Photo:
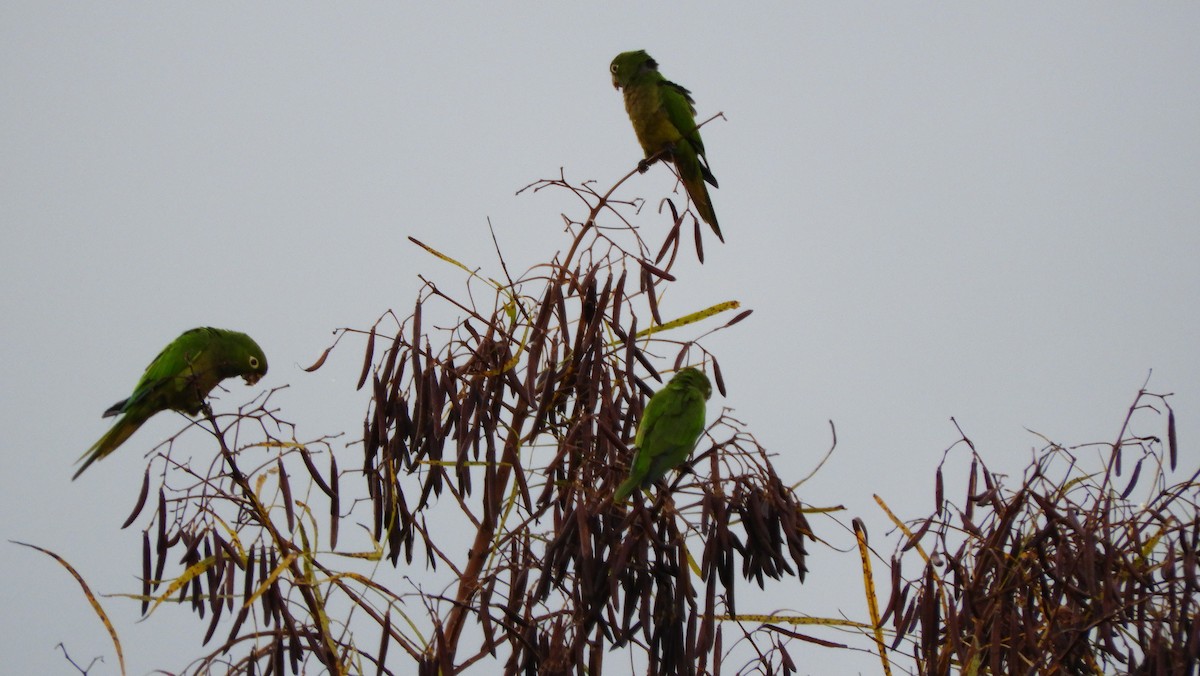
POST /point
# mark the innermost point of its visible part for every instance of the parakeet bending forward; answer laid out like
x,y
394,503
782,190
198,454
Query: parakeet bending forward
x,y
671,425
664,120
179,378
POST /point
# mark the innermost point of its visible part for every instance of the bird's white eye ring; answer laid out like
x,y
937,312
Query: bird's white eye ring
x,y
613,68
253,362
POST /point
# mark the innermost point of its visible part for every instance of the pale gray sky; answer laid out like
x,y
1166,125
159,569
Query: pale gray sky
x,y
934,210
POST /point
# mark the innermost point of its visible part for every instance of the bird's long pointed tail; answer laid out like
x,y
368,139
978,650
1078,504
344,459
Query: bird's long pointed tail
x,y
108,443
693,174
626,489
699,194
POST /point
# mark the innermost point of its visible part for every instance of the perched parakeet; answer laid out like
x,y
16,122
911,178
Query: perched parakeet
x,y
664,120
670,427
179,378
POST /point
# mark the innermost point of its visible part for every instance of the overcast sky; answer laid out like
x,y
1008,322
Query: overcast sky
x,y
934,210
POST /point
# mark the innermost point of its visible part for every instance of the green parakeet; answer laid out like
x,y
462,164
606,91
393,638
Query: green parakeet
x,y
670,426
664,119
179,378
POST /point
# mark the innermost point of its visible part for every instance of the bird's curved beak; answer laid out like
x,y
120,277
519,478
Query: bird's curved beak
x,y
616,85
251,378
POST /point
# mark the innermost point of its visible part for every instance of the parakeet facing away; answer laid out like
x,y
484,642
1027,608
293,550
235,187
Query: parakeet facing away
x,y
179,378
671,425
664,120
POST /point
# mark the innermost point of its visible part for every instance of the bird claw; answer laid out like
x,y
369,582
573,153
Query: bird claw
x,y
644,165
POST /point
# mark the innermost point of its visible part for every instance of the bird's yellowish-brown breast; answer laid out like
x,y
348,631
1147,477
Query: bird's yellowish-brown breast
x,y
654,130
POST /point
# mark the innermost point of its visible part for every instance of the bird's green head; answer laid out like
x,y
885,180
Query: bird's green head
x,y
629,65
693,378
246,357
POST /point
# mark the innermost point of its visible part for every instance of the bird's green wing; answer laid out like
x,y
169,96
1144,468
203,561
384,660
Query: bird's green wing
x,y
681,111
676,433
184,373
178,378
644,458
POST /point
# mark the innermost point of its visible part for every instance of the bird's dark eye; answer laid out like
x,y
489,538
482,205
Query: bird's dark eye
x,y
613,68
253,362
